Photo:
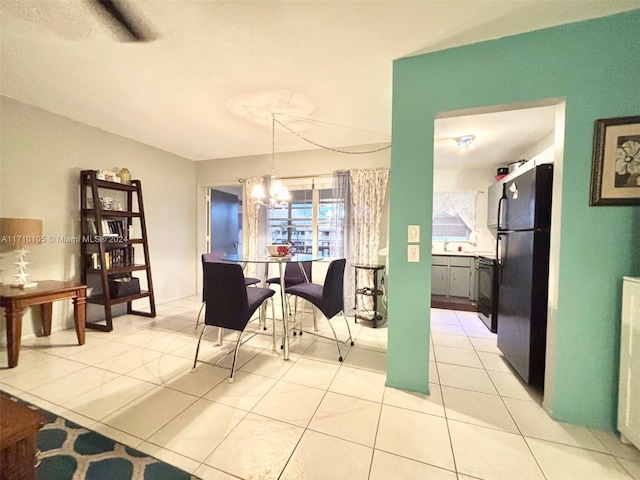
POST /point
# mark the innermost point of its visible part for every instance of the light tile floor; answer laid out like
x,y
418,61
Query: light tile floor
x,y
311,416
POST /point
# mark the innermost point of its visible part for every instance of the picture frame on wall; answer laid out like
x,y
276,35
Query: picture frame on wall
x,y
615,171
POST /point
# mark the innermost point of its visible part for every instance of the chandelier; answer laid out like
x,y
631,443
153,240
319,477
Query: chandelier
x,y
278,194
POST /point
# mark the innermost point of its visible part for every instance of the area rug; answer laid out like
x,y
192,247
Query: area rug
x,y
449,303
69,451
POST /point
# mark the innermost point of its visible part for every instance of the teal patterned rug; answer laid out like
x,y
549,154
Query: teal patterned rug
x,y
71,452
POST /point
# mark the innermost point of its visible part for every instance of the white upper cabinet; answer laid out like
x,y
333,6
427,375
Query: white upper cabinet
x,y
629,386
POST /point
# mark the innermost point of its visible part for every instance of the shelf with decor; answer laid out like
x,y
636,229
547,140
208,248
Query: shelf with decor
x,y
114,246
370,293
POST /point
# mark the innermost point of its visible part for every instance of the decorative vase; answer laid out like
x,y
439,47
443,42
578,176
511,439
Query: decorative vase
x,y
125,176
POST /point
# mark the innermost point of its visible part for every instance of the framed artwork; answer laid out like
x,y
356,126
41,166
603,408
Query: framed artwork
x,y
615,172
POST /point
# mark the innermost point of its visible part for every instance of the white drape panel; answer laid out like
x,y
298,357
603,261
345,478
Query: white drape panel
x,y
341,215
368,189
341,236
462,204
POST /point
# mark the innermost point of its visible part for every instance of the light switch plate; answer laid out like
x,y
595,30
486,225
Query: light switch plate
x,y
413,253
413,233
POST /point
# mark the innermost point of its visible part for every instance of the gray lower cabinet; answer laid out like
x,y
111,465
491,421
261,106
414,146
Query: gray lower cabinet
x,y
459,282
440,280
452,276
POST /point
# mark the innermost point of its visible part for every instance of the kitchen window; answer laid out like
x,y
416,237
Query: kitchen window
x,y
450,227
307,222
454,216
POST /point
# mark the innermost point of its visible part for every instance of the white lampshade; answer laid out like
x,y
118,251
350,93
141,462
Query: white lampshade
x,y
20,231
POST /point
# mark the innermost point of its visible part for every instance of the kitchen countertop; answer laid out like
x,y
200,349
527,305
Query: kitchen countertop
x,y
464,254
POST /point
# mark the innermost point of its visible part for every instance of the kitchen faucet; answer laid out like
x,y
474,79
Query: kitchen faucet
x,y
446,244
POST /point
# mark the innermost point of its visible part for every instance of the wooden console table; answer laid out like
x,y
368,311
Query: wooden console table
x,y
19,426
14,300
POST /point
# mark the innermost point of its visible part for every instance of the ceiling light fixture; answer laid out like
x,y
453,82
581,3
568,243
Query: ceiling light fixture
x,y
466,142
278,194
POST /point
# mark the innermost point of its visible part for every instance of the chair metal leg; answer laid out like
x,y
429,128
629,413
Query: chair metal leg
x,y
195,360
198,317
273,327
263,316
220,335
235,357
295,316
336,337
348,327
295,313
315,321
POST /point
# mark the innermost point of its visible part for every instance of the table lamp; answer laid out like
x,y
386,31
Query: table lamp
x,y
21,232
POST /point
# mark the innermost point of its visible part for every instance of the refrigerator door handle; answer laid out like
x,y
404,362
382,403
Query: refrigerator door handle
x,y
502,198
499,259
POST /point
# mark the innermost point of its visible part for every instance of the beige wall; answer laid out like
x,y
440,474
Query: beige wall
x,y
41,157
227,171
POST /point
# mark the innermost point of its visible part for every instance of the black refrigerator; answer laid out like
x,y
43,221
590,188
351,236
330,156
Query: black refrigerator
x,y
524,221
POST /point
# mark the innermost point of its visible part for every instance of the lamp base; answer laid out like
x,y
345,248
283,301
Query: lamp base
x,y
24,285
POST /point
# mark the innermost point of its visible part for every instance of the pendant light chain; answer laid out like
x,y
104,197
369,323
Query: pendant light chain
x,y
324,146
279,195
273,145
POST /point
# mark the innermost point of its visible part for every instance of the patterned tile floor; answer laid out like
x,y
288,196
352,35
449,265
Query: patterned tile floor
x,y
311,416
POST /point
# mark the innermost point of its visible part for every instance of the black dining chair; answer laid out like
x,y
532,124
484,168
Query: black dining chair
x,y
216,257
229,303
294,275
328,298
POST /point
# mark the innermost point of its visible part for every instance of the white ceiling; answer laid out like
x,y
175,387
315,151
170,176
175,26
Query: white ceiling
x,y
329,62
502,137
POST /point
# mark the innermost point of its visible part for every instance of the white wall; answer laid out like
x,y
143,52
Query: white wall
x,y
228,171
42,155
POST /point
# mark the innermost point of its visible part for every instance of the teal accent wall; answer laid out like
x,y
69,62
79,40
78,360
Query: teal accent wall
x,y
595,67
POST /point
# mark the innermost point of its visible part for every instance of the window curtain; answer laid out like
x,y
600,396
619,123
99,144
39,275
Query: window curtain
x,y
462,204
257,225
368,190
341,239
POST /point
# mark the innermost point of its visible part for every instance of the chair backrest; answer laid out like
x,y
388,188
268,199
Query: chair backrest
x,y
333,290
225,294
213,257
210,257
293,275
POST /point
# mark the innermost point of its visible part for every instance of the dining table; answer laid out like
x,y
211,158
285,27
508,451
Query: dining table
x,y
281,262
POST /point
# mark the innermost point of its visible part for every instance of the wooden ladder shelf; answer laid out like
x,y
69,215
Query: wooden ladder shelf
x,y
113,230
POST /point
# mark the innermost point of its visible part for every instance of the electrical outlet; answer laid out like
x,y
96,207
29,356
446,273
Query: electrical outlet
x,y
413,233
413,253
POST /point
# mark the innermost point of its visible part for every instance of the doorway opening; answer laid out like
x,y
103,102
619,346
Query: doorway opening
x,y
505,138
225,220
510,141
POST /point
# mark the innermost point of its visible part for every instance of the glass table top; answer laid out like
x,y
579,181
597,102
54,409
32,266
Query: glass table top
x,y
269,259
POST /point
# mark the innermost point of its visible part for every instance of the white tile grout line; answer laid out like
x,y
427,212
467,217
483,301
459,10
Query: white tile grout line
x,y
444,410
520,431
165,385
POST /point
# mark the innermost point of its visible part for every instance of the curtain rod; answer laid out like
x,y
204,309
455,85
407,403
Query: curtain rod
x,y
242,180
319,175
